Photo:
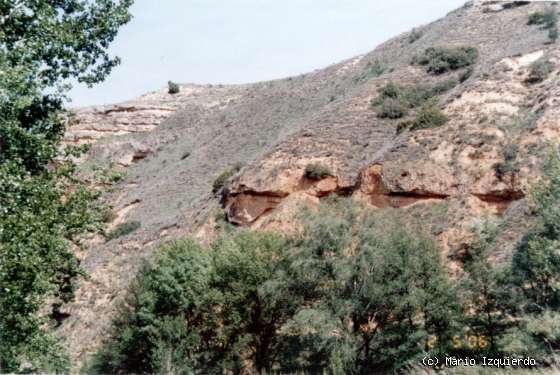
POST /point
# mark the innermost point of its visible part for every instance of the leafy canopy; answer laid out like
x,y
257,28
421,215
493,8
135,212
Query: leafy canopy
x,y
43,206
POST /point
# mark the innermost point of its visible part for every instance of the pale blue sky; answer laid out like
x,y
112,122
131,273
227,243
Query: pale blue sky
x,y
241,41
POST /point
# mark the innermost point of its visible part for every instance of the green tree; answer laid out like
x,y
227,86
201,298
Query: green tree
x,y
537,261
253,303
169,324
43,206
198,310
376,286
487,294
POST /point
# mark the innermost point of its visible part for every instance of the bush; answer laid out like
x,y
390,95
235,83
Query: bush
x,y
375,69
123,230
394,269
548,18
442,87
223,177
108,215
441,60
539,70
429,116
317,171
392,109
398,98
390,90
536,18
414,36
173,88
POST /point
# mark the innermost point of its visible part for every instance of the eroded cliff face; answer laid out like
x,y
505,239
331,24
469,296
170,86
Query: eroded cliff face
x,y
455,163
172,147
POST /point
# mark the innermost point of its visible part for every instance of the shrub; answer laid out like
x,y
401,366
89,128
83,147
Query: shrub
x,y
429,116
539,70
411,96
123,230
536,18
163,305
414,36
375,69
392,109
223,177
442,87
393,279
173,88
414,96
317,171
508,167
548,18
390,90
440,60
108,215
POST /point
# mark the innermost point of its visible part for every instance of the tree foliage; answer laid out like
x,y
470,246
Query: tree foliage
x,y
352,292
43,206
537,261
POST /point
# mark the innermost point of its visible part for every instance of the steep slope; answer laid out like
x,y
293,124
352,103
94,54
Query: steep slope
x,y
173,147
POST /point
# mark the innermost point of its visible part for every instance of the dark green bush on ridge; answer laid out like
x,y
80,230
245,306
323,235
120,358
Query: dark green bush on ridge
x,y
173,88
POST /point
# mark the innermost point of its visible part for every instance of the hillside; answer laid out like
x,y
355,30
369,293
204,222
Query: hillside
x,y
169,149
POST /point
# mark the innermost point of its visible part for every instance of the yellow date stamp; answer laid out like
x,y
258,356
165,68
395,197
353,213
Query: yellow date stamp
x,y
465,341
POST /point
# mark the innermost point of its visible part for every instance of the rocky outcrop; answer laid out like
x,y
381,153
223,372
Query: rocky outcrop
x,y
94,123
